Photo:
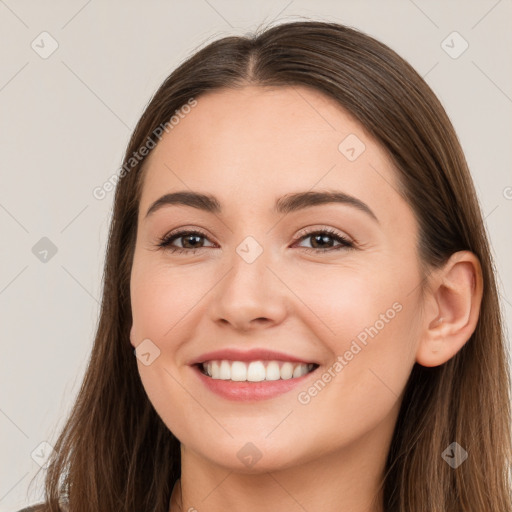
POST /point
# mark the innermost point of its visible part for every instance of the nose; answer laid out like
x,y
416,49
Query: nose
x,y
251,295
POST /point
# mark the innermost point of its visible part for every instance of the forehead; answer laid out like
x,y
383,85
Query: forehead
x,y
252,144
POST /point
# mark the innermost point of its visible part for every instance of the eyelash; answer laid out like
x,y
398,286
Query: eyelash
x,y
165,242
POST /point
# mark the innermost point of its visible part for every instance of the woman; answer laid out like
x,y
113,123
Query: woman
x,y
299,307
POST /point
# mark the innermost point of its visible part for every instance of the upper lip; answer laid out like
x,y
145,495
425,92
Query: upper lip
x,y
255,354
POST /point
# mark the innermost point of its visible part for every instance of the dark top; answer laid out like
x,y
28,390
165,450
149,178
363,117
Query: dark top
x,y
35,508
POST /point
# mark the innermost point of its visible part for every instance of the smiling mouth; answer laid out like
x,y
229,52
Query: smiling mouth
x,y
254,371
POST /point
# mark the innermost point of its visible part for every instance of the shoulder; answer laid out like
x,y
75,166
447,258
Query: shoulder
x,y
33,508
42,507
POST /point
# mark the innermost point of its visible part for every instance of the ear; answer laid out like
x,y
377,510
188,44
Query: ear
x,y
132,337
452,308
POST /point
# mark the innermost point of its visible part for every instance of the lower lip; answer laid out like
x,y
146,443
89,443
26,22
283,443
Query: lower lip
x,y
249,391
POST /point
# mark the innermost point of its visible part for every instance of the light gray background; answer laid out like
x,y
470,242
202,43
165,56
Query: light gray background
x,y
65,122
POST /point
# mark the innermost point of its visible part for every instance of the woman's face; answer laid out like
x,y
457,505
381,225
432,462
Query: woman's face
x,y
271,272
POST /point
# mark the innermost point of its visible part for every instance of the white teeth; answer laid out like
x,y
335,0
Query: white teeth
x,y
255,371
287,371
238,371
213,369
225,371
273,372
300,370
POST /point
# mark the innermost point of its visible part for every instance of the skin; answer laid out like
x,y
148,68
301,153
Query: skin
x,y
248,147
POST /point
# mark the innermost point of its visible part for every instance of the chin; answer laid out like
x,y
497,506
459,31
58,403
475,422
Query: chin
x,y
250,455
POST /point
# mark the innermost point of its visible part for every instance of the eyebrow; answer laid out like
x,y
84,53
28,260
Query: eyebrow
x,y
285,204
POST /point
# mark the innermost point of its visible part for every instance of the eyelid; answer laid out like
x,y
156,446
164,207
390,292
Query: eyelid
x,y
344,241
309,230
302,233
182,232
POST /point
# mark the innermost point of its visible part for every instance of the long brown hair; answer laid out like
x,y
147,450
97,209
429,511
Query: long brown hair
x,y
116,454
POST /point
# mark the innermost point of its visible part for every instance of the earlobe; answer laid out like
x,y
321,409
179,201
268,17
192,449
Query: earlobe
x,y
455,294
132,336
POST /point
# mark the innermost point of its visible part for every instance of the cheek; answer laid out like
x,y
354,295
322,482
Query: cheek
x,y
360,388
367,320
161,298
347,302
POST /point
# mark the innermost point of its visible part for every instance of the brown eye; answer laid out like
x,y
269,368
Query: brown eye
x,y
191,241
323,240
